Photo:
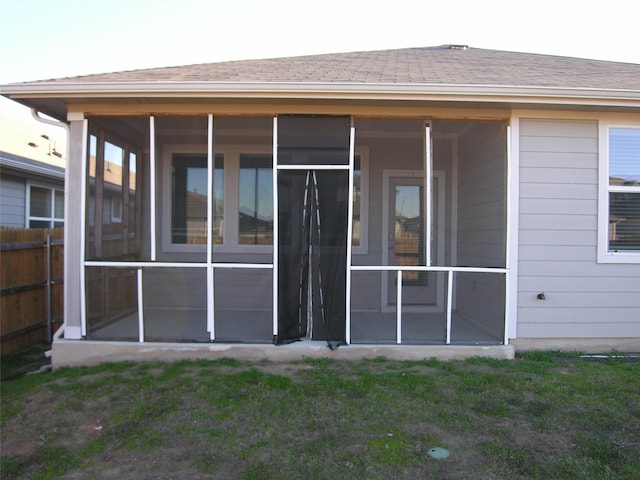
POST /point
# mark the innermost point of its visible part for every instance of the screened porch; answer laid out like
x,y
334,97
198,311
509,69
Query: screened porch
x,y
276,229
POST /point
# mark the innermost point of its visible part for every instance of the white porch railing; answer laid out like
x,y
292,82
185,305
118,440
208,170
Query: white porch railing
x,y
449,303
140,266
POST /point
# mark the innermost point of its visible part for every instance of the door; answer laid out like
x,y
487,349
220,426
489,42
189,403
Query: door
x,y
313,201
406,239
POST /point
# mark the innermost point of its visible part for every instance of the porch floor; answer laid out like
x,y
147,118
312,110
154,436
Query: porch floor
x,y
236,326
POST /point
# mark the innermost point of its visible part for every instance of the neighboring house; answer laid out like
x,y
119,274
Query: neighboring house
x,y
411,203
31,176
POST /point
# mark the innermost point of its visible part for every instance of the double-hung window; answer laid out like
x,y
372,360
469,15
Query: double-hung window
x,y
619,214
45,207
255,200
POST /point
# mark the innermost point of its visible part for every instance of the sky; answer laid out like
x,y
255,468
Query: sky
x,y
43,39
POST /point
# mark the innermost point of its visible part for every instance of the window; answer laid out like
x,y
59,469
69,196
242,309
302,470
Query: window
x,y
619,215
255,200
116,209
189,199
356,234
45,208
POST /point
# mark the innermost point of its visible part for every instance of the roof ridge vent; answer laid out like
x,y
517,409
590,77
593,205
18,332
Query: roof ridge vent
x,y
458,47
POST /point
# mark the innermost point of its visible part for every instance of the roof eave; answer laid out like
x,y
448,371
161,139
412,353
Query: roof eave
x,y
337,91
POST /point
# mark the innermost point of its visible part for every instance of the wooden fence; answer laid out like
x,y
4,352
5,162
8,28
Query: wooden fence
x,y
31,286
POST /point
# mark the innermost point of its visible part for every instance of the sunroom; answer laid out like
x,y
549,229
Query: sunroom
x,y
273,229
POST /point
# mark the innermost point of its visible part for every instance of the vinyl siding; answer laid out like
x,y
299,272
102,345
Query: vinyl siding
x,y
557,240
12,201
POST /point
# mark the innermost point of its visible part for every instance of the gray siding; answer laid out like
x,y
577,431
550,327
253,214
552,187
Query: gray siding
x,y
12,201
557,240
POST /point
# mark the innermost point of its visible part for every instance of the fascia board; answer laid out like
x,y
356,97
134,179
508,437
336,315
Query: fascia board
x,y
338,91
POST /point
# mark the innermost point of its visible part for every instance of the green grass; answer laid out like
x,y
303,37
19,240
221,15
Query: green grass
x,y
543,415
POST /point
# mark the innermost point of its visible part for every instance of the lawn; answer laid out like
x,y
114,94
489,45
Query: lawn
x,y
543,415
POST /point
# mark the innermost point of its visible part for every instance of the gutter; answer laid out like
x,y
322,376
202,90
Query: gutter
x,y
342,91
36,115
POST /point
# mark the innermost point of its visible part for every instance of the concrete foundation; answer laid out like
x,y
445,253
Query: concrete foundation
x,y
73,353
587,345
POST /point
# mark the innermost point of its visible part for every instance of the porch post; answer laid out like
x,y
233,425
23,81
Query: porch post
x,y
83,230
352,137
399,308
275,226
74,228
140,307
511,243
210,273
428,172
152,184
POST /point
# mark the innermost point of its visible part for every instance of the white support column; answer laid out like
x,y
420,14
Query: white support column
x,y
508,287
449,304
352,139
152,184
275,226
83,228
210,272
140,308
399,308
428,173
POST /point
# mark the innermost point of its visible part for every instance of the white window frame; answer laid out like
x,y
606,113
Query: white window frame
x,y
604,255
230,240
363,248
116,209
167,178
52,219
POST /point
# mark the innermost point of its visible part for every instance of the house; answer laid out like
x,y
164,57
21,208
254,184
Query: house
x,y
420,202
31,176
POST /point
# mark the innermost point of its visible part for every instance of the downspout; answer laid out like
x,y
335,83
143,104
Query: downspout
x,y
36,115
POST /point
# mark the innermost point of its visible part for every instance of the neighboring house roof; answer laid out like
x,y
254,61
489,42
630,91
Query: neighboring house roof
x,y
444,70
30,151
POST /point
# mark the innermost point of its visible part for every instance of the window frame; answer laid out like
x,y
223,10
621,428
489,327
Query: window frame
x,y
604,189
231,178
52,219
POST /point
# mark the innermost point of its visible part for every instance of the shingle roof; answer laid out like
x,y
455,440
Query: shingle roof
x,y
443,65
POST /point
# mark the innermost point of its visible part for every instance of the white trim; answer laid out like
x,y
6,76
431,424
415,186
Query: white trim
x,y
275,258
52,219
352,156
140,307
604,255
363,248
428,204
147,264
511,246
399,308
449,305
396,268
313,167
116,264
116,216
152,184
507,94
210,273
210,173
83,227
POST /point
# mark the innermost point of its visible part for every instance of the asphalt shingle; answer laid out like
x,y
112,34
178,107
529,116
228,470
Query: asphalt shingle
x,y
443,65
